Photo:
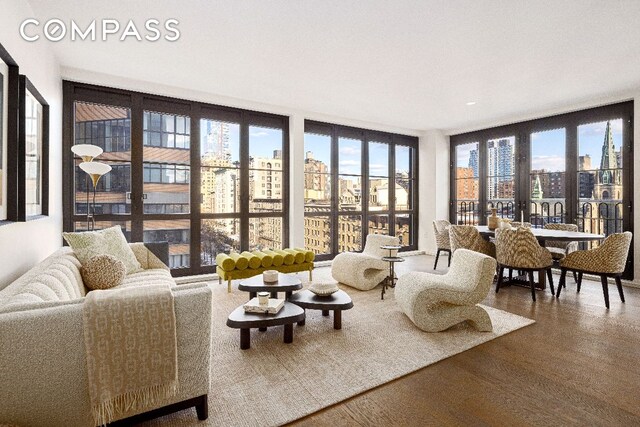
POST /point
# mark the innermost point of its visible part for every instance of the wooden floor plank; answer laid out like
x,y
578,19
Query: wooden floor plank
x,y
578,365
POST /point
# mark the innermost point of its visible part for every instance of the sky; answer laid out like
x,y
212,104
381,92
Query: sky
x,y
262,141
548,147
350,155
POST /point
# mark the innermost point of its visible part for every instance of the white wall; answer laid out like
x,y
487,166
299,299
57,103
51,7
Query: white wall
x,y
24,244
433,185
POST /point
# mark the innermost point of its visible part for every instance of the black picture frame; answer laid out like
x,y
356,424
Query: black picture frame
x,y
10,174
25,86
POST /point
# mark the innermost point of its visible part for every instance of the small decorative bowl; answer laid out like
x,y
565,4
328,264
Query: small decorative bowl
x,y
324,289
263,298
270,276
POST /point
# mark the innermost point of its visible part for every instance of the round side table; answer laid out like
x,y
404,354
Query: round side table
x,y
391,278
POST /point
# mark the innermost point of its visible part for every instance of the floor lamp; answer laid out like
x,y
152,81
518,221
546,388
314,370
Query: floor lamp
x,y
94,170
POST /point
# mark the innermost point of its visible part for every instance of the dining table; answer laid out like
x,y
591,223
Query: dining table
x,y
542,235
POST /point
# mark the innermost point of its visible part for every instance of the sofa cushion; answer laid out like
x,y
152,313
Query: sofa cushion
x,y
153,276
109,241
103,272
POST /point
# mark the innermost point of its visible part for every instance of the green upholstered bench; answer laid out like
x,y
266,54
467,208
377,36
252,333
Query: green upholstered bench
x,y
248,264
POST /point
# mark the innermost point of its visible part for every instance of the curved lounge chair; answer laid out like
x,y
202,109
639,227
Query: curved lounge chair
x,y
437,302
364,270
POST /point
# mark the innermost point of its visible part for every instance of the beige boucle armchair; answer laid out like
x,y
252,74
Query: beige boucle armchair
x,y
518,249
364,270
436,302
468,237
43,373
607,260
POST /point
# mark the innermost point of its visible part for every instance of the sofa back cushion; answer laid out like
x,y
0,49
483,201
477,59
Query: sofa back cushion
x,y
57,278
110,241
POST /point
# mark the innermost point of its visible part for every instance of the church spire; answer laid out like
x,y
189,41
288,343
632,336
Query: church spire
x,y
608,160
537,189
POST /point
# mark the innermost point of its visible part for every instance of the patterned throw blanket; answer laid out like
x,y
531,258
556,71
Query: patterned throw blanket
x,y
130,340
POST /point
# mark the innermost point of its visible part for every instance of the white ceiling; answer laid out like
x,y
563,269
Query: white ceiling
x,y
411,64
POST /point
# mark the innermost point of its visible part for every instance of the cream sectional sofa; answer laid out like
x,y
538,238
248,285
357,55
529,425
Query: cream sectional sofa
x,y
43,375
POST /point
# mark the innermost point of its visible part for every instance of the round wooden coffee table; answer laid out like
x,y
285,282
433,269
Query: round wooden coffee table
x,y
337,302
286,283
287,316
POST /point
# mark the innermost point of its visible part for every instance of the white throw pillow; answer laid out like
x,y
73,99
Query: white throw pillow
x,y
110,241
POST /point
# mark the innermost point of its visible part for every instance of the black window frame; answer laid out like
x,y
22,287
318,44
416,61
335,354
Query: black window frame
x,y
522,131
138,103
366,136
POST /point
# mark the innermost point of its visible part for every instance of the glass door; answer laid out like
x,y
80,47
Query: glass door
x,y
601,208
166,140
350,194
501,170
466,184
108,127
546,192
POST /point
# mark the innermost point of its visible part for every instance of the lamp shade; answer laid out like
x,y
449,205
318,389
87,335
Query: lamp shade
x,y
86,152
95,170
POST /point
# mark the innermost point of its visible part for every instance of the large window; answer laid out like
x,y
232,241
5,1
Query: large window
x,y
206,179
572,168
357,182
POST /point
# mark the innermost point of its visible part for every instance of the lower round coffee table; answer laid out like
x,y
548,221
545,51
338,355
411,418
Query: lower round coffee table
x,y
287,316
286,283
337,302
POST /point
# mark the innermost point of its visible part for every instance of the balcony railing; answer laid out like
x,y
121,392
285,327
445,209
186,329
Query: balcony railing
x,y
593,216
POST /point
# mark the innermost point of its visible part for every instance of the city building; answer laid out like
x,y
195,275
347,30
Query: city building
x,y
473,162
586,177
500,169
467,186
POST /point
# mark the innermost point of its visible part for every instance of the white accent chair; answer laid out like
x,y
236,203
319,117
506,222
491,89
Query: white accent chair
x,y
437,302
364,270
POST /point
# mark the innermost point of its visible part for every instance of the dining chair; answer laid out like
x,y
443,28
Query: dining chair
x,y
560,248
443,244
519,249
468,237
607,260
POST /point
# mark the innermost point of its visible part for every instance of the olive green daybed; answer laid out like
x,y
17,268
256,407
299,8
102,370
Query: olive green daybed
x,y
248,264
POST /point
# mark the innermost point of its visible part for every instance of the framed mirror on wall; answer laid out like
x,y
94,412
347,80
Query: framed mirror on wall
x,y
8,134
33,153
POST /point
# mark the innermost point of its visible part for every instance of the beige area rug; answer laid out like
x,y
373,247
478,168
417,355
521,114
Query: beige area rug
x,y
274,383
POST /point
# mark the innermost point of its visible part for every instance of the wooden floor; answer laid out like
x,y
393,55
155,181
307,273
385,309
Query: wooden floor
x,y
578,365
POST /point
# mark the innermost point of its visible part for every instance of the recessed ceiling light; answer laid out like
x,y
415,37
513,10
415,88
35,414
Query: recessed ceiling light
x,y
471,103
